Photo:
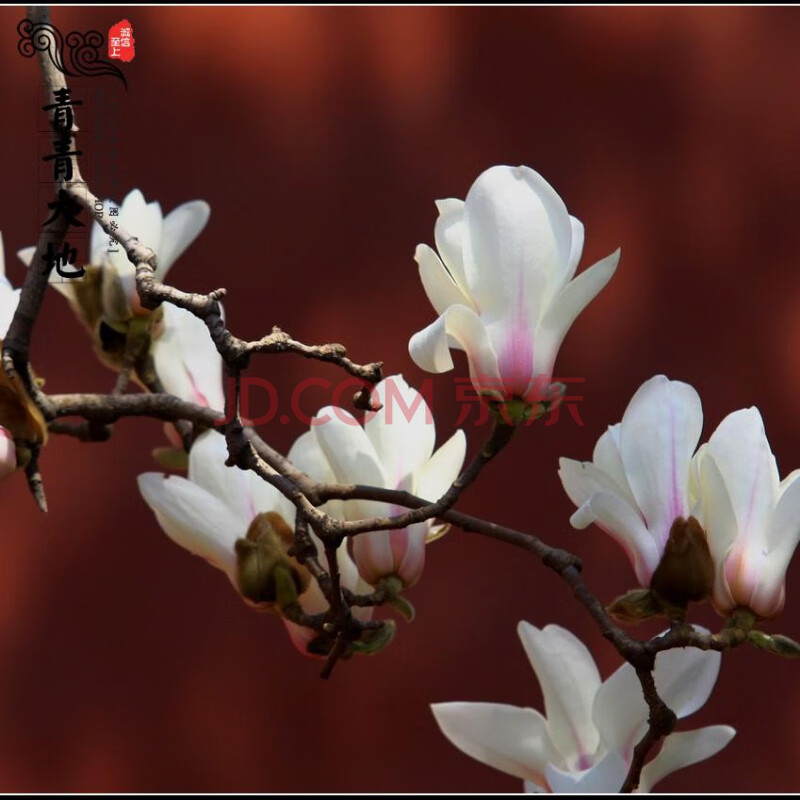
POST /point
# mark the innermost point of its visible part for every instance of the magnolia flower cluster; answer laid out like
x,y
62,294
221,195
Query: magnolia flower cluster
x,y
715,521
645,475
230,517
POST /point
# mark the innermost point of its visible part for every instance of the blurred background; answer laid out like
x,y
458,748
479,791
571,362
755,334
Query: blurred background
x,y
321,138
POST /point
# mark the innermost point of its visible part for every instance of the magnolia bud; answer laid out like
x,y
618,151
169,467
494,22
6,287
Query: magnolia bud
x,y
685,573
261,555
635,606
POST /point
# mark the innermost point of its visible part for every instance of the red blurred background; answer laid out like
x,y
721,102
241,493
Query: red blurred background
x,y
321,138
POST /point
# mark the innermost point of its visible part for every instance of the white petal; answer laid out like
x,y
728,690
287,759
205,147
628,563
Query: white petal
x,y
402,431
511,739
740,449
607,457
582,479
565,307
659,433
230,485
606,776
569,680
186,360
440,287
193,518
685,677
518,242
576,247
620,521
428,348
784,527
351,455
620,711
449,233
782,539
307,456
181,227
61,285
717,517
684,749
445,464
143,220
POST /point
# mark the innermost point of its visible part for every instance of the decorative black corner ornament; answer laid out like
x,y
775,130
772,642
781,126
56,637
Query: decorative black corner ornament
x,y
78,54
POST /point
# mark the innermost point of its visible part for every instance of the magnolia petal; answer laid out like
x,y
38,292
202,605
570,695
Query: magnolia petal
x,y
402,431
742,453
685,677
351,456
660,430
429,347
193,518
619,711
444,466
783,530
513,740
373,555
606,776
230,485
620,521
61,285
449,233
717,517
143,220
306,454
439,285
518,242
187,361
684,749
565,308
582,479
576,247
569,680
607,457
181,227
767,595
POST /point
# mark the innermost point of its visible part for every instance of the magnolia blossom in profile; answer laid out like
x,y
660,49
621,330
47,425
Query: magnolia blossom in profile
x,y
394,450
502,283
585,741
637,483
242,525
752,517
110,275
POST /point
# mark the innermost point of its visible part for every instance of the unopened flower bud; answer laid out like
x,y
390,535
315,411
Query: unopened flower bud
x,y
261,555
635,606
685,573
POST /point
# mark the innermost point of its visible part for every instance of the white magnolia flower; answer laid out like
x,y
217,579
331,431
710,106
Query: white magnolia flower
x,y
168,236
586,741
216,505
502,283
752,517
637,483
394,450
